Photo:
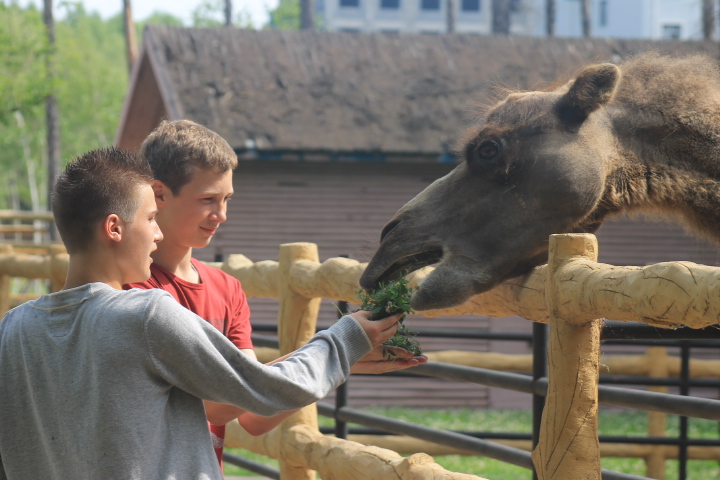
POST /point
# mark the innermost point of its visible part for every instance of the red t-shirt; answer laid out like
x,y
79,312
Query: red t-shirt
x,y
220,300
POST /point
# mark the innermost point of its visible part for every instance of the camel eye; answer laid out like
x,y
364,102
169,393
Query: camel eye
x,y
485,158
488,149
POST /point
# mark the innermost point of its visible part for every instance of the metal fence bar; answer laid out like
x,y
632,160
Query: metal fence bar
x,y
539,370
485,448
704,442
251,465
642,400
503,453
619,397
341,393
684,390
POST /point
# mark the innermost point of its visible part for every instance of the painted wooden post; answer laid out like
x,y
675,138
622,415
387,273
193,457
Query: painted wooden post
x,y
569,446
657,363
5,249
297,320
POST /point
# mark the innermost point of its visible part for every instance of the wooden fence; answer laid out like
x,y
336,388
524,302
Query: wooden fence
x,y
572,293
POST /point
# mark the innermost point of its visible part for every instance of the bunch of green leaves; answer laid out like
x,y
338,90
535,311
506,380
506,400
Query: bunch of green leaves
x,y
388,299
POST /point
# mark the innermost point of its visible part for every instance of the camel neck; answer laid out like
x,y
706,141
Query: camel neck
x,y
658,140
663,189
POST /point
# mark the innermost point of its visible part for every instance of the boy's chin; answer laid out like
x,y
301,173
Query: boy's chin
x,y
202,242
139,278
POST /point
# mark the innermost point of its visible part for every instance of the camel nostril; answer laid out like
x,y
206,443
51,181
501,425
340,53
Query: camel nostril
x,y
388,228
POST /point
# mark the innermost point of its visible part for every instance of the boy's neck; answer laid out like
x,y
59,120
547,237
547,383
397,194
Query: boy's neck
x,y
89,268
176,261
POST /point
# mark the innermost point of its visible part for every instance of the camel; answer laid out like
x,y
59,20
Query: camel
x,y
643,136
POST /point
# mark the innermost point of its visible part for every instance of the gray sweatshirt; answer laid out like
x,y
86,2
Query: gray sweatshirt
x,y
98,383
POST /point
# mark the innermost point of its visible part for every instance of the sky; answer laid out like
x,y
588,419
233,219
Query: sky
x,y
181,8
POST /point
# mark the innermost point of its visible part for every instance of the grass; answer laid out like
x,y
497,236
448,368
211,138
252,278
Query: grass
x,y
612,422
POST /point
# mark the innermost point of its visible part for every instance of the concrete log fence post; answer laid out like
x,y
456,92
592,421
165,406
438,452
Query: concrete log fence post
x,y
569,446
59,261
657,366
297,321
5,249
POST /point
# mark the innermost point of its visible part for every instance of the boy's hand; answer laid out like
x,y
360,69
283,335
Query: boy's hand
x,y
377,362
378,331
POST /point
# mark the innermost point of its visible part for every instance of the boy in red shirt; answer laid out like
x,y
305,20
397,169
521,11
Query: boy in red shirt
x,y
193,182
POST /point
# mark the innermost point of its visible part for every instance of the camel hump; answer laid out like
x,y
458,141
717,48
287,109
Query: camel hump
x,y
593,87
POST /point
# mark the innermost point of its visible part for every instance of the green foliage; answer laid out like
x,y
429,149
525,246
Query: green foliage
x,y
24,51
390,299
89,84
163,18
286,15
211,13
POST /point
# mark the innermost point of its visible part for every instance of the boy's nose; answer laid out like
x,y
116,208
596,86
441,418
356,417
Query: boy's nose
x,y
158,235
220,214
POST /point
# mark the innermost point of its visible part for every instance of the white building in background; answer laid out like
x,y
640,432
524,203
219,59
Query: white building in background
x,y
417,16
651,19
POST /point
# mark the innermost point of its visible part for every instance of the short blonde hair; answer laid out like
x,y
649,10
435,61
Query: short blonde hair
x,y
176,148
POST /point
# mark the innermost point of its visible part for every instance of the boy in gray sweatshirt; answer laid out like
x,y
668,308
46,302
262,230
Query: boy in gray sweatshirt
x,y
97,382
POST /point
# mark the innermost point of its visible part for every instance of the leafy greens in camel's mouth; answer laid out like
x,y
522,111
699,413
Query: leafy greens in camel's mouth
x,y
388,299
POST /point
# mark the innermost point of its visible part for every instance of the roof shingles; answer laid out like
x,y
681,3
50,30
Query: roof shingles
x,y
358,92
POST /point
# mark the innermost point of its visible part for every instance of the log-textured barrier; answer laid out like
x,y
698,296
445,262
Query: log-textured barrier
x,y
571,293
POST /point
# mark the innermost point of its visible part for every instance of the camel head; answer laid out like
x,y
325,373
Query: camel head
x,y
535,166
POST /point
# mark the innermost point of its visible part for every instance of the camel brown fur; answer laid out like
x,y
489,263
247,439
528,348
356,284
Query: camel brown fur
x,y
644,136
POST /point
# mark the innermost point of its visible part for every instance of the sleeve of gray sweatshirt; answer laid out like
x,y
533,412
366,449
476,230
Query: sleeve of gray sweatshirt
x,y
192,355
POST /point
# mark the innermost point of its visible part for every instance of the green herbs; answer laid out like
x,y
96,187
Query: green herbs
x,y
390,299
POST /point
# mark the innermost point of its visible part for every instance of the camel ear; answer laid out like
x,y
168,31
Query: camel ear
x,y
594,87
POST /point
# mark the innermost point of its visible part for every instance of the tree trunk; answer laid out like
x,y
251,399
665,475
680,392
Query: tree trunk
x,y
130,40
708,19
307,14
228,13
585,13
51,112
450,16
550,18
30,167
501,17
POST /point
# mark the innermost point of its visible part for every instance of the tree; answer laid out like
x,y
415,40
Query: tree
x,y
213,13
52,113
162,18
307,14
501,17
130,32
450,17
90,87
550,18
286,15
23,51
585,14
228,12
708,19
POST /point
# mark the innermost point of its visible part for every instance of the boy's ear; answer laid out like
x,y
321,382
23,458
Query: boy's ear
x,y
112,228
160,190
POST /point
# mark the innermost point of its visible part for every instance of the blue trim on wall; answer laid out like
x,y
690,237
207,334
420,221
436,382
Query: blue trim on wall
x,y
342,157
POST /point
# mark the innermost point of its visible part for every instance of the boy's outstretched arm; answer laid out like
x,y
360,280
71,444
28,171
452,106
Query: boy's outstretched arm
x,y
373,363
